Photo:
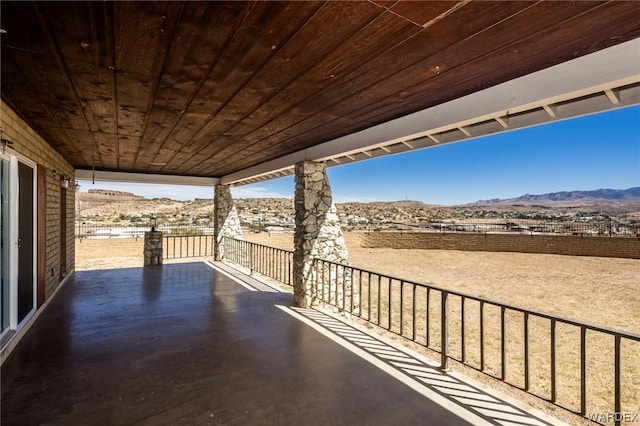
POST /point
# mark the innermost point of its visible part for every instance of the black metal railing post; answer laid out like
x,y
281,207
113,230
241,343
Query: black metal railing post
x,y
526,351
583,370
553,360
443,330
617,407
503,345
250,259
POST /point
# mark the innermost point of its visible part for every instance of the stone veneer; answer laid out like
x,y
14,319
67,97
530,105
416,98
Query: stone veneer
x,y
227,222
152,248
317,235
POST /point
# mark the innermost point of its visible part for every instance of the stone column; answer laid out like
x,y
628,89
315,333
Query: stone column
x,y
317,235
152,248
226,220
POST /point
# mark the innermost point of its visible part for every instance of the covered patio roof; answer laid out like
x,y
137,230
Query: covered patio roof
x,y
235,92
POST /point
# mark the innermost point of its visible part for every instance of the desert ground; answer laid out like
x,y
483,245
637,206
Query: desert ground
x,y
599,291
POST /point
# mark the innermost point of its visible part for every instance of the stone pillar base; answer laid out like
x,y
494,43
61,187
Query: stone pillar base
x,y
227,221
317,236
152,248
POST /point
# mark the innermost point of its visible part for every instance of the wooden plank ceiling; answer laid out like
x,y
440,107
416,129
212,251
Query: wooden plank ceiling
x,y
210,88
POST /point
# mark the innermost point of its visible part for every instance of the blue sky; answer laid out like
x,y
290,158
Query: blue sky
x,y
587,153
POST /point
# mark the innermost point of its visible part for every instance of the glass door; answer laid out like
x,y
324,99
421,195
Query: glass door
x,y
25,241
17,242
4,244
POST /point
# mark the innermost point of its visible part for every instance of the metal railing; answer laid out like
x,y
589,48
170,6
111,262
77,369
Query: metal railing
x,y
563,361
494,338
104,230
527,226
269,261
179,247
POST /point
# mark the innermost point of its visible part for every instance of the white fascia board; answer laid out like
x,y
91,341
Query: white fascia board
x,y
99,175
612,67
279,164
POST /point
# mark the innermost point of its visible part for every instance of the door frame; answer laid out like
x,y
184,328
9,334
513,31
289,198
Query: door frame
x,y
13,158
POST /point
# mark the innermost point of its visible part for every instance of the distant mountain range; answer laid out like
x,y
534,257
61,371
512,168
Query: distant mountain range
x,y
117,206
629,196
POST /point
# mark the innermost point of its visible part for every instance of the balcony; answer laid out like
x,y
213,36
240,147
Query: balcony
x,y
201,343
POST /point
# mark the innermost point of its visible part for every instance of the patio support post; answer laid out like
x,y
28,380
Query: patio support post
x,y
153,248
317,236
226,220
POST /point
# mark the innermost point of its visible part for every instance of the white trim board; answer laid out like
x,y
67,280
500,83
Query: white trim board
x,y
99,175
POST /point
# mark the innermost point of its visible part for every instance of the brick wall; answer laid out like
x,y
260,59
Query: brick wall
x,y
31,146
552,244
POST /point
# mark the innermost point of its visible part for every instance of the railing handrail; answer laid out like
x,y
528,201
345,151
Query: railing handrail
x,y
258,244
90,230
604,228
186,246
260,258
602,329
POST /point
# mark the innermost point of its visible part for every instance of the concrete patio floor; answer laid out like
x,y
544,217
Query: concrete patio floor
x,y
187,344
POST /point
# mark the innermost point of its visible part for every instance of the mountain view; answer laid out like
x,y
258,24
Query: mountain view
x,y
623,197
105,206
